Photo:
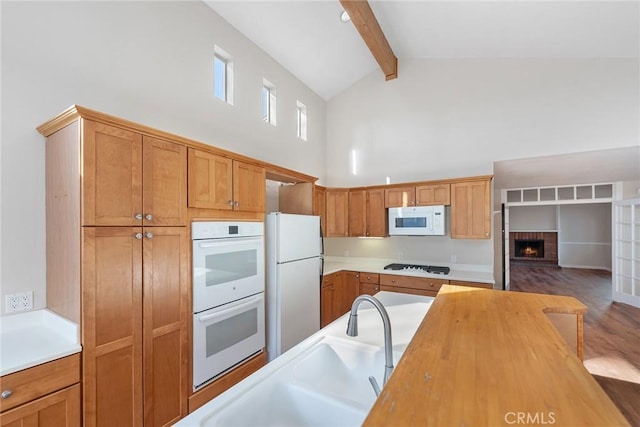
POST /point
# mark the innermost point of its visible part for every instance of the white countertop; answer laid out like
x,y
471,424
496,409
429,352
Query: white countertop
x,y
406,313
464,272
35,337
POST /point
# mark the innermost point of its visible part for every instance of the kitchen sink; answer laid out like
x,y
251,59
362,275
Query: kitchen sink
x,y
279,403
341,368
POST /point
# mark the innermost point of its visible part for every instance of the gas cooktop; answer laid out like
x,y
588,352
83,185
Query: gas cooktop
x,y
434,269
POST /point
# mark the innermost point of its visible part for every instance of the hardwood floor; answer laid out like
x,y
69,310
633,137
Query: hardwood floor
x,y
611,330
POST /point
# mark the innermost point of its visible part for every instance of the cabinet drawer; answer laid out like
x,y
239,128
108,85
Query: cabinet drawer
x,y
409,291
372,278
32,383
420,283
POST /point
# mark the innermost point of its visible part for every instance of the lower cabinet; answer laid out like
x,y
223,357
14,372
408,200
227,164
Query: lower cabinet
x,y
411,285
134,325
369,283
45,395
337,293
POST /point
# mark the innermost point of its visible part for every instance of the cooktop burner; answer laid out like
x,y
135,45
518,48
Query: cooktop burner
x,y
415,267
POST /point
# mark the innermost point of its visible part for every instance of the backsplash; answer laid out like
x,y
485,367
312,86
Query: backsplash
x,y
440,249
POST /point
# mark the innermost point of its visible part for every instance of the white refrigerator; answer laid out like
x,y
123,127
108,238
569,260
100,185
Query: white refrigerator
x,y
294,270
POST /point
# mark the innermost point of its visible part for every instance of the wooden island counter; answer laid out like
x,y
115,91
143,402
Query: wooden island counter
x,y
488,358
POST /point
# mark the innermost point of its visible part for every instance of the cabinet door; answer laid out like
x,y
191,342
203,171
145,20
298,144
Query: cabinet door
x,y
357,213
337,213
377,217
368,289
399,197
433,195
112,175
164,182
166,313
112,326
351,290
339,296
471,210
327,291
210,180
249,187
319,207
59,409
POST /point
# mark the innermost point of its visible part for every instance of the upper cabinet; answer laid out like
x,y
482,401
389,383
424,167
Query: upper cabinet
x,y
320,206
367,214
131,180
471,209
420,195
217,182
337,212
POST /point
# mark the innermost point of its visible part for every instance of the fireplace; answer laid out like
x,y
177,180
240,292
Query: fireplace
x,y
539,247
529,248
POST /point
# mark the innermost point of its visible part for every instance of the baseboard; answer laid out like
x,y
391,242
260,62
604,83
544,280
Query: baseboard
x,y
588,267
626,298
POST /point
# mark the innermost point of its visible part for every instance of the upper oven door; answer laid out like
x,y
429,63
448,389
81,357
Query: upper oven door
x,y
226,270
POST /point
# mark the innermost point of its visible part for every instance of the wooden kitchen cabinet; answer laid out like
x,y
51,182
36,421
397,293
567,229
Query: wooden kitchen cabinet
x,y
44,395
131,180
350,291
411,285
420,195
369,283
367,214
134,325
319,206
471,210
329,298
337,212
217,182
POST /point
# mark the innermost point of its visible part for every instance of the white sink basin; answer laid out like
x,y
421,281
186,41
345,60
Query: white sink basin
x,y
277,403
341,368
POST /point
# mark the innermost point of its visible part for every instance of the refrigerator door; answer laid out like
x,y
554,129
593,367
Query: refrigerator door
x,y
296,312
298,237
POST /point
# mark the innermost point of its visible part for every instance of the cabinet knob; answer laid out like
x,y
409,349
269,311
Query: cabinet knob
x,y
236,204
138,216
393,280
357,275
6,394
368,277
148,217
148,235
138,236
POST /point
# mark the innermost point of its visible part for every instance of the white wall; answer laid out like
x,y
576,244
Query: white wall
x,y
533,218
584,236
148,62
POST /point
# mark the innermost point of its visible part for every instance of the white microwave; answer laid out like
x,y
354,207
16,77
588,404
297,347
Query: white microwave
x,y
416,221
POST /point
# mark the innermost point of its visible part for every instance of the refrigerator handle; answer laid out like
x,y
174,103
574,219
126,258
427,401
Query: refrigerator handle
x,y
321,255
321,270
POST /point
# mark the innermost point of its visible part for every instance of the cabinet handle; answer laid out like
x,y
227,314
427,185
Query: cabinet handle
x,y
6,394
431,285
393,280
148,217
230,202
138,216
236,204
138,236
357,275
148,235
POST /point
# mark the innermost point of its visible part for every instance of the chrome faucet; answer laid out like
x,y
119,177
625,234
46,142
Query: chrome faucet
x,y
352,331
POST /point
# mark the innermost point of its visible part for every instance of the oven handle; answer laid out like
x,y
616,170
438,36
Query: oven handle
x,y
226,242
236,307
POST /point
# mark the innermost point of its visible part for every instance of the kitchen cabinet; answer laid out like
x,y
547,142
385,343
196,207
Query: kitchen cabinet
x,y
471,209
130,179
367,214
217,182
337,212
44,395
329,298
117,247
319,206
411,285
472,284
369,283
350,291
420,195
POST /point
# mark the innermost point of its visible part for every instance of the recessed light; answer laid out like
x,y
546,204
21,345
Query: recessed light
x,y
344,16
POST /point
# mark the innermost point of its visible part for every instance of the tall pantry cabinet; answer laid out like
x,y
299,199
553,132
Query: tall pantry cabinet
x,y
117,240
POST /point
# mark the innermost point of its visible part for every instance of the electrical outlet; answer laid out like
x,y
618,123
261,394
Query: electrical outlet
x,y
12,303
400,255
346,253
454,259
26,300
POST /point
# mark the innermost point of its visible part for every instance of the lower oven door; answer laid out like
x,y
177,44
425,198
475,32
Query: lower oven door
x,y
225,336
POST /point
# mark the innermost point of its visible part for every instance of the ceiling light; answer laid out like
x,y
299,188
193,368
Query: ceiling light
x,y
344,16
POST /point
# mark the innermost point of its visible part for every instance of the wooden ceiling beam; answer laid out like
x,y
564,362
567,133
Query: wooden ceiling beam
x,y
367,25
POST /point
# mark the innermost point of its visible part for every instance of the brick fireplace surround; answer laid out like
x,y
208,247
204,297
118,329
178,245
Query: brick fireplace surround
x,y
550,246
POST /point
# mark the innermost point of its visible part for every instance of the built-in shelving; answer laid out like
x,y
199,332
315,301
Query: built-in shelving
x,y
565,194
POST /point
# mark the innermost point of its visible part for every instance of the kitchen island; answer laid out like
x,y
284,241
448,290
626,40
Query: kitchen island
x,y
469,357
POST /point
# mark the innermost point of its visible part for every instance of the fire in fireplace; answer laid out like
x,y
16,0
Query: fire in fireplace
x,y
529,248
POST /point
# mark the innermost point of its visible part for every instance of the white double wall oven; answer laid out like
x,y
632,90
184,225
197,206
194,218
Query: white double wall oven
x,y
228,296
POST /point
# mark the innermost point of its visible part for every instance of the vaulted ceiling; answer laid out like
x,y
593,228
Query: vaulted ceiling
x,y
308,38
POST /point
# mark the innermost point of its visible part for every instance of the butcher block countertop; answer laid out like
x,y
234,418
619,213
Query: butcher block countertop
x,y
486,358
